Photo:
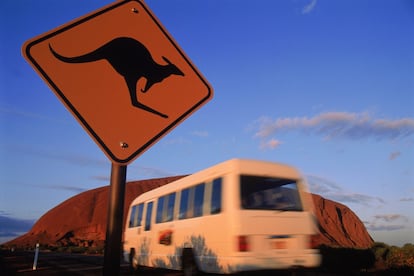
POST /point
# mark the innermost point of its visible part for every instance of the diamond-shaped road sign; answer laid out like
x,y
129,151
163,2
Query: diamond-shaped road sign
x,y
121,75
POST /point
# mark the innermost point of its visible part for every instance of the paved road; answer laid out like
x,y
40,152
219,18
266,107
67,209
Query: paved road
x,y
51,263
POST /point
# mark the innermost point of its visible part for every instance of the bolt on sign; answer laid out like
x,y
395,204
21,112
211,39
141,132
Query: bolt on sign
x,y
122,76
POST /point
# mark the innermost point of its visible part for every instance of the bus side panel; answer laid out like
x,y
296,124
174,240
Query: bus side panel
x,y
214,235
192,233
207,235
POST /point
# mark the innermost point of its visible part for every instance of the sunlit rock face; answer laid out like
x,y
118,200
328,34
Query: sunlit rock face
x,y
339,226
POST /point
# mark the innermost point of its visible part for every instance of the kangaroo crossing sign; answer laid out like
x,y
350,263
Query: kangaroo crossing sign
x,y
121,75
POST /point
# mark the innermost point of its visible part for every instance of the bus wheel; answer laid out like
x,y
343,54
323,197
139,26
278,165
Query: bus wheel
x,y
188,262
133,262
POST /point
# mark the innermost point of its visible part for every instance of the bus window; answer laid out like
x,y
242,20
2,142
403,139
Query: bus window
x,y
184,203
216,197
160,207
148,216
132,216
165,208
136,215
265,193
192,200
198,200
138,222
170,207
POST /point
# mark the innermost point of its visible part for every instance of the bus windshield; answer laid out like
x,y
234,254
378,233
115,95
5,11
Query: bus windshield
x,y
268,193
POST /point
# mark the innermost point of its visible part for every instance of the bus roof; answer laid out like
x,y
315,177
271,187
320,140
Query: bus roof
x,y
240,166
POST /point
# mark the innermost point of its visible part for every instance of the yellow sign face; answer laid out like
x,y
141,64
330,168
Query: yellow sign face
x,y
121,75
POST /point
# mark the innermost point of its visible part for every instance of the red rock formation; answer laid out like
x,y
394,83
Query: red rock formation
x,y
339,226
81,220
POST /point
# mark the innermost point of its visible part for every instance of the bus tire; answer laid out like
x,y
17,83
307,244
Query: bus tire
x,y
188,262
133,262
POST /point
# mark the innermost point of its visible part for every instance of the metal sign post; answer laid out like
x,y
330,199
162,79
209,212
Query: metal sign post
x,y
113,242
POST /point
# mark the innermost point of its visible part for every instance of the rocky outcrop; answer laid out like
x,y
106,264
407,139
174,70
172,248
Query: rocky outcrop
x,y
81,220
339,226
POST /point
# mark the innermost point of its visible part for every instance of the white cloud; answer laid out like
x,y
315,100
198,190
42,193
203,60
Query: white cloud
x,y
30,115
333,191
176,141
271,144
136,172
355,198
394,155
74,189
309,7
76,159
200,133
389,217
104,178
387,222
339,125
321,185
383,227
407,199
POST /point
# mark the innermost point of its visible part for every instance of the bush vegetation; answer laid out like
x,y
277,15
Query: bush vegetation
x,y
388,257
380,259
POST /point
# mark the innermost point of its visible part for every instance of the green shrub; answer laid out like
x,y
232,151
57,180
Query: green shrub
x,y
393,257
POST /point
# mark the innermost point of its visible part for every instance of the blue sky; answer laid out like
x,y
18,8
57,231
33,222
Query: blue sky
x,y
326,86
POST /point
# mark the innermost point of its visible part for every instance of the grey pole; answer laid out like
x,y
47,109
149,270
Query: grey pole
x,y
36,256
113,241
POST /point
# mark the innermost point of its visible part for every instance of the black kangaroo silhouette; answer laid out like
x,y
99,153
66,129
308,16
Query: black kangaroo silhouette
x,y
132,60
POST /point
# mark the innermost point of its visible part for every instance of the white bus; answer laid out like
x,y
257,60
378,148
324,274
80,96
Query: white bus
x,y
240,215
